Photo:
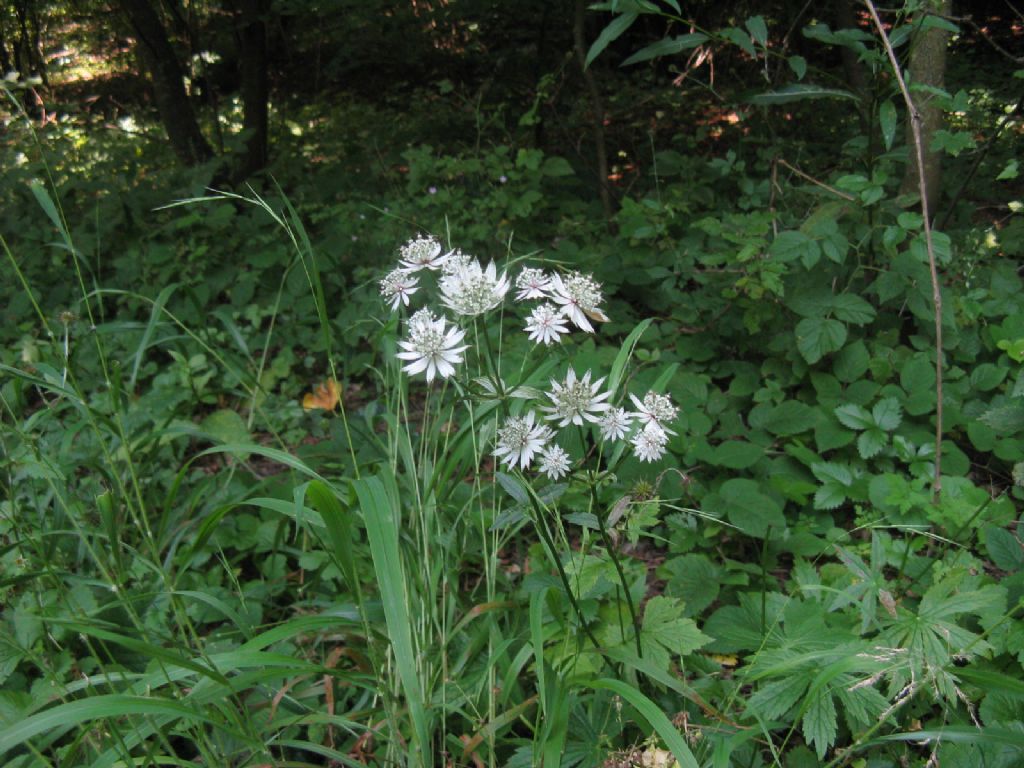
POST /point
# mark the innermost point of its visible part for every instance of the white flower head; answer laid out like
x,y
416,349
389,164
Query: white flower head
x,y
520,438
455,261
546,324
423,252
579,296
649,443
576,400
656,409
397,286
473,289
555,462
431,347
614,424
532,284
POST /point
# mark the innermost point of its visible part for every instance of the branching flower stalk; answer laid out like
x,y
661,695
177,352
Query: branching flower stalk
x,y
915,125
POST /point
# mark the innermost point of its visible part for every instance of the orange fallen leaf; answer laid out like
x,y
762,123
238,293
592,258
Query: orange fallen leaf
x,y
324,396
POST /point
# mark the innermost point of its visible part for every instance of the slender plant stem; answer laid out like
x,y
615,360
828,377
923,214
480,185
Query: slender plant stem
x,y
915,125
608,545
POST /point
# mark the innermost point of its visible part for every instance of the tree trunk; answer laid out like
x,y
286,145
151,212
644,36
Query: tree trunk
x,y
157,56
597,125
252,38
927,67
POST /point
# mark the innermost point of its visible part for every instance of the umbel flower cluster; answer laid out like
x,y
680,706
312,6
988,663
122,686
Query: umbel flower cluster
x,y
467,289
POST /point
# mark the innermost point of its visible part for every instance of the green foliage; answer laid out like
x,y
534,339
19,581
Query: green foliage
x,y
196,569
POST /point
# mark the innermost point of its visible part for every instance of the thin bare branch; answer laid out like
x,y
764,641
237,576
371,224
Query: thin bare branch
x,y
915,125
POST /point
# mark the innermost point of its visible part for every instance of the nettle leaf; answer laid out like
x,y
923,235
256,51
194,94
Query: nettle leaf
x,y
887,414
871,442
817,336
820,725
666,632
854,417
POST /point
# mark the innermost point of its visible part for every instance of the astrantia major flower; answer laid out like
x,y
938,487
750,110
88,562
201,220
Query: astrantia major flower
x,y
554,462
473,289
431,347
614,424
655,408
649,443
532,284
576,400
520,438
579,296
546,324
422,252
455,261
397,286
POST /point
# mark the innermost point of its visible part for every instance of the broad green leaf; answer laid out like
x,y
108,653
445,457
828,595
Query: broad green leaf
x,y
615,28
757,28
854,417
851,308
987,376
739,37
871,442
790,417
1005,549
799,66
226,426
670,46
851,362
831,472
1005,419
887,414
818,336
887,122
737,454
749,509
797,92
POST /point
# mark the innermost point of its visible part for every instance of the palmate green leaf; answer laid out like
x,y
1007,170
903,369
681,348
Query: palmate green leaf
x,y
665,630
775,699
818,336
750,510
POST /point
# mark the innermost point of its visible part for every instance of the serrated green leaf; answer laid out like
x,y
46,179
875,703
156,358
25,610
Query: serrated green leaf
x,y
817,336
1004,548
819,722
887,414
1005,419
871,442
750,510
829,471
851,308
851,362
775,699
854,417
